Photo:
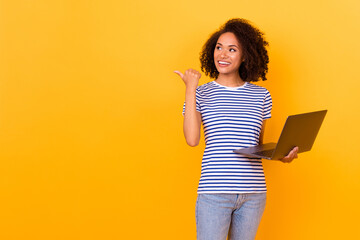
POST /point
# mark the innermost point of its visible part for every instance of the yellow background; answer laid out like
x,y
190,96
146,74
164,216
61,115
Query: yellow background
x,y
91,142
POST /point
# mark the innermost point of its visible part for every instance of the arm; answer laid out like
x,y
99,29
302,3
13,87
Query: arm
x,y
192,118
261,138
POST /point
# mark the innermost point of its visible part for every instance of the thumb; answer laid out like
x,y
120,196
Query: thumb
x,y
179,73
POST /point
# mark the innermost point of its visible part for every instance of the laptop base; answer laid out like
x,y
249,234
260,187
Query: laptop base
x,y
257,151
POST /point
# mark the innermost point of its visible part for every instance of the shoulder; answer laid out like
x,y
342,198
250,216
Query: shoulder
x,y
205,88
254,87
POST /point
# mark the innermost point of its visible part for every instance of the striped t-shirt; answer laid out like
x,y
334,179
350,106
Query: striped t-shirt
x,y
232,118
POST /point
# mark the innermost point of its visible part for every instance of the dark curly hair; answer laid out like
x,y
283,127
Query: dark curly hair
x,y
253,46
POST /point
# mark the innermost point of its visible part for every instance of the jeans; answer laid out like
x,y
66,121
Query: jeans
x,y
236,215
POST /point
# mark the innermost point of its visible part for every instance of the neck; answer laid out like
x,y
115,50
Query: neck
x,y
233,80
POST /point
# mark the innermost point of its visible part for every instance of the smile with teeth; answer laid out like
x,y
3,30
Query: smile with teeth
x,y
223,63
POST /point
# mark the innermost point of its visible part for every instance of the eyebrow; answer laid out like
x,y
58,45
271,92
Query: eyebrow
x,y
229,45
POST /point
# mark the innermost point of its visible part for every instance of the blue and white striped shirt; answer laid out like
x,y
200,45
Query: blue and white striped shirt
x,y
232,118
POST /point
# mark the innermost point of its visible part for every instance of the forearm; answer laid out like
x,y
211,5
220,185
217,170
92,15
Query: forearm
x,y
192,119
261,138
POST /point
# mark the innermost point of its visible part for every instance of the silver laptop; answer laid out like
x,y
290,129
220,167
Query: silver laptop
x,y
299,130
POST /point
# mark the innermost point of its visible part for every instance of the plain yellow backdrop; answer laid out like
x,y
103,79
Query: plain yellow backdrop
x,y
91,142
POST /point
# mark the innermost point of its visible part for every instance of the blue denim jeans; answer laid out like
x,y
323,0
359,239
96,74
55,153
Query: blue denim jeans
x,y
236,215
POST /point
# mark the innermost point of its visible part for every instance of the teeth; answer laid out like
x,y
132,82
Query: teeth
x,y
224,62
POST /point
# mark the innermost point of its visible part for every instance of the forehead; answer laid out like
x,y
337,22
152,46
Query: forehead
x,y
228,38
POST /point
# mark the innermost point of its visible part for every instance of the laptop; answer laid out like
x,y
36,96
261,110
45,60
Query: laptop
x,y
299,130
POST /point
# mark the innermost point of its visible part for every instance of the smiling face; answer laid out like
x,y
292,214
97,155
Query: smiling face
x,y
228,54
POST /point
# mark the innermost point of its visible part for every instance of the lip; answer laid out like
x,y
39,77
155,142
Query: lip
x,y
222,64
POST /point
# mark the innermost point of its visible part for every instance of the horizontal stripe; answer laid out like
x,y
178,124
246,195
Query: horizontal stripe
x,y
231,118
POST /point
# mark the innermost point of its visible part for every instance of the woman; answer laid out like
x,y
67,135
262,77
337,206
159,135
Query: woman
x,y
232,190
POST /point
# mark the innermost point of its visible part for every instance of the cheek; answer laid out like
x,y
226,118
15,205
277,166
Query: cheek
x,y
237,59
215,55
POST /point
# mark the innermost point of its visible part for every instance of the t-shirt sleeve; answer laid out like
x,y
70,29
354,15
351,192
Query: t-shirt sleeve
x,y
198,108
267,107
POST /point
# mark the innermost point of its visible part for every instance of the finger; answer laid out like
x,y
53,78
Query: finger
x,y
296,149
288,158
193,72
190,71
197,75
295,152
179,73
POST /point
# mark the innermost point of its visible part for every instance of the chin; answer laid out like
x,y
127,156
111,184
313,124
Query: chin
x,y
227,72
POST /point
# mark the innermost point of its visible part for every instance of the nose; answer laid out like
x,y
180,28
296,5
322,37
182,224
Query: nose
x,y
223,54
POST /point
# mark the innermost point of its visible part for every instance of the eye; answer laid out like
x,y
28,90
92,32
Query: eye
x,y
218,48
232,50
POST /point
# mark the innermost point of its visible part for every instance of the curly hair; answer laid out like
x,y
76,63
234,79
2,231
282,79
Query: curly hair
x,y
253,46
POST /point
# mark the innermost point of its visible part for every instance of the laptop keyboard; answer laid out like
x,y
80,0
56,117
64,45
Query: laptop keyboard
x,y
267,153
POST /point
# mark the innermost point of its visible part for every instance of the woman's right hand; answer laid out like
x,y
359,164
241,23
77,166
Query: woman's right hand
x,y
192,118
190,77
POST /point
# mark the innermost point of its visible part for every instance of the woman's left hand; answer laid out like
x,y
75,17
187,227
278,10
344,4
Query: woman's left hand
x,y
291,156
